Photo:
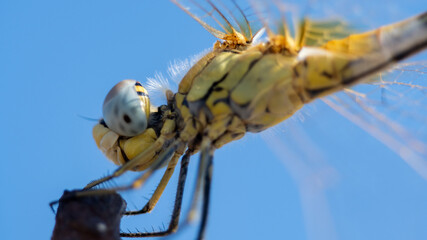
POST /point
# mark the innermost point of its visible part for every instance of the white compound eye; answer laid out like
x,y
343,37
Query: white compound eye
x,y
126,108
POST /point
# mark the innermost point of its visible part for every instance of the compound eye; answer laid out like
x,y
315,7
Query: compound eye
x,y
126,108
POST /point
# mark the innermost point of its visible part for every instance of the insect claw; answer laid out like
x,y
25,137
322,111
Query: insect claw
x,y
51,205
68,195
146,208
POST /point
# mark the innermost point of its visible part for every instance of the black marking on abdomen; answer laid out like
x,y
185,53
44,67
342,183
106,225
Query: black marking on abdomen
x,y
319,92
196,106
395,58
326,74
251,65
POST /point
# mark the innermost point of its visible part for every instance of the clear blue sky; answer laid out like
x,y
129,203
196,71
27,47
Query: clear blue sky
x,y
58,59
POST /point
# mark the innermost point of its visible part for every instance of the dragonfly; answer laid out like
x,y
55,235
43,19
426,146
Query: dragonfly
x,y
242,85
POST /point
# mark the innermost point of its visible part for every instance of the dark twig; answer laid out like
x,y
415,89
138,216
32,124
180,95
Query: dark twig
x,y
90,217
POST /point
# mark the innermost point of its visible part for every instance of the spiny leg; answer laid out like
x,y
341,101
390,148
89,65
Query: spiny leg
x,y
204,177
207,156
206,151
173,225
191,215
164,157
160,188
126,167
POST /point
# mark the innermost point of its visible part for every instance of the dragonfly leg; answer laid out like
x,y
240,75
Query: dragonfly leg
x,y
160,188
204,178
141,158
149,206
202,168
192,214
163,158
173,225
207,156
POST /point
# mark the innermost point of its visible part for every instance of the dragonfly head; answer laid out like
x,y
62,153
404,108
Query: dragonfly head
x,y
126,108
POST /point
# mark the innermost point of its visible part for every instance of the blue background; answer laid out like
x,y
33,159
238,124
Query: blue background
x,y
58,59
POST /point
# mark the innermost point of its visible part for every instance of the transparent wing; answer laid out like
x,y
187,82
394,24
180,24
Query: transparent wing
x,y
230,20
393,110
317,33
